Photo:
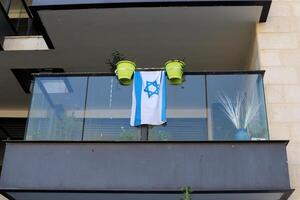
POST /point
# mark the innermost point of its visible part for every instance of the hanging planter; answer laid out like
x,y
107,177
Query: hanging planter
x,y
174,69
123,68
124,71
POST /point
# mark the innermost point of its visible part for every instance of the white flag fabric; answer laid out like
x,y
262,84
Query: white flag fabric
x,y
148,98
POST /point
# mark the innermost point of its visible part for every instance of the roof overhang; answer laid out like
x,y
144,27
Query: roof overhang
x,y
83,4
262,7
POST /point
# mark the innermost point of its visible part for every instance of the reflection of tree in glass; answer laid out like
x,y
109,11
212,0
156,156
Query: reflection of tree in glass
x,y
128,135
159,135
257,129
65,127
241,109
68,127
34,135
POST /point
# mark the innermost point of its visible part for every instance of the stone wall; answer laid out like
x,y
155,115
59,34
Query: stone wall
x,y
279,54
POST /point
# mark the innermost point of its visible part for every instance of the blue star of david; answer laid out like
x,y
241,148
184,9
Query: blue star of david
x,y
150,90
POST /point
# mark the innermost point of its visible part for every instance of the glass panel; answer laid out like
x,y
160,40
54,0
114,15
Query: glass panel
x,y
98,108
236,107
186,113
108,111
57,109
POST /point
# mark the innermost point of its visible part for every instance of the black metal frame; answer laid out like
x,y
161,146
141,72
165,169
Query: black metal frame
x,y
64,74
148,142
144,129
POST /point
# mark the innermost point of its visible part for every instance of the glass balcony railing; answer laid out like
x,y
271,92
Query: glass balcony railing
x,y
206,106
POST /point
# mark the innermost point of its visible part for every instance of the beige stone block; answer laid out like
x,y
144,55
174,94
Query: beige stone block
x,y
280,9
298,37
280,75
295,132
293,152
290,57
284,113
3,198
296,8
284,0
294,172
278,24
292,93
297,22
279,131
295,195
274,93
277,41
269,58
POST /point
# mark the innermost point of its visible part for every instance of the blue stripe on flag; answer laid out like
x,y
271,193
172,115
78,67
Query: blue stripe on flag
x,y
163,112
138,96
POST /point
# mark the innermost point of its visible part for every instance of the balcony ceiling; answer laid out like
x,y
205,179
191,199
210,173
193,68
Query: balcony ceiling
x,y
208,37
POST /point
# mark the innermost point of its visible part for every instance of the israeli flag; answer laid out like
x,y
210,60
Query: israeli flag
x,y
148,98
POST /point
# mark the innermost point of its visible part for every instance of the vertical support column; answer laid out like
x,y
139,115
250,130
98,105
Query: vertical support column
x,y
85,105
144,132
208,113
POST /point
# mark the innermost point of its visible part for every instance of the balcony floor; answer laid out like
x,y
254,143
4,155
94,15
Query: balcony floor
x,y
94,195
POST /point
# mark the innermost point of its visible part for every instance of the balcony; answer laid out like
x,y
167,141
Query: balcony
x,y
17,27
79,145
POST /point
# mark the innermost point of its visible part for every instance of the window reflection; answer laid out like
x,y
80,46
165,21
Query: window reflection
x,y
57,109
236,107
186,112
108,111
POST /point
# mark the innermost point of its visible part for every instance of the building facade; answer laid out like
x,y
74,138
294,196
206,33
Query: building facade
x,y
53,48
278,47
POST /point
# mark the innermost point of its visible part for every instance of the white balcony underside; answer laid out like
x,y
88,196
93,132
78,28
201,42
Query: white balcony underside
x,y
14,43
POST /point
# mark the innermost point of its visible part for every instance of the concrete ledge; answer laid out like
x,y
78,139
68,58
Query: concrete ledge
x,y
203,166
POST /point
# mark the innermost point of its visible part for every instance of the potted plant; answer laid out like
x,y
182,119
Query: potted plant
x,y
123,68
241,111
174,69
186,193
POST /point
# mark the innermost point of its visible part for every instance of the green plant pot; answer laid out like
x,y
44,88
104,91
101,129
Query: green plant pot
x,y
125,69
174,69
